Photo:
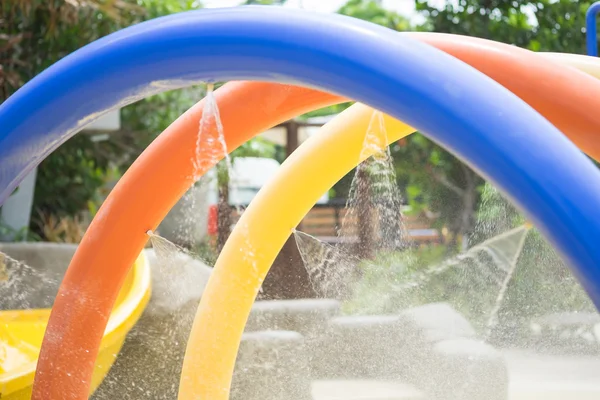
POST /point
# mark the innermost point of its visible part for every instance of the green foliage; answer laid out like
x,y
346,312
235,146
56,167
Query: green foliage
x,y
159,8
388,285
331,110
69,179
431,177
21,235
500,20
205,252
495,215
561,26
257,147
542,25
36,34
542,283
437,181
143,121
264,2
370,10
381,287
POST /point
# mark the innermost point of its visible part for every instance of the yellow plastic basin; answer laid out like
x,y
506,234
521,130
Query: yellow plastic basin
x,y
22,331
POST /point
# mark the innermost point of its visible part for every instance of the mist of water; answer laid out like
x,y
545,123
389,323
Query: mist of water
x,y
210,143
373,220
329,269
150,363
374,191
210,153
495,259
192,203
3,269
175,267
506,250
24,287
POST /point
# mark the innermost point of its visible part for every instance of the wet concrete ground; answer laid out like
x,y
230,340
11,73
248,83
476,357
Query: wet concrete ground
x,y
533,377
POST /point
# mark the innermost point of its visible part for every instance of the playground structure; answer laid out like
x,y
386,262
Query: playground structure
x,y
511,134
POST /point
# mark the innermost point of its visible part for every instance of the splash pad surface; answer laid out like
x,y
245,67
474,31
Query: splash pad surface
x,y
400,86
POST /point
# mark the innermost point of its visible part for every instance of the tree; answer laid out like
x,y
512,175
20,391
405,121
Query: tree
x,y
545,25
36,34
368,10
560,26
501,20
372,11
264,2
542,283
432,178
358,187
436,181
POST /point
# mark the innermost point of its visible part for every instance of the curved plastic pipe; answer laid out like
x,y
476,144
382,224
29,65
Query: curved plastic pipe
x,y
267,223
227,44
521,72
589,65
160,178
257,239
262,231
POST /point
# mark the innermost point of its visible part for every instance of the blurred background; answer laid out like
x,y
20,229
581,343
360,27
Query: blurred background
x,y
442,196
448,209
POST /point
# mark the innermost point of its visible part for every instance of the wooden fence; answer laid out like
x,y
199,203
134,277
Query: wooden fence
x,y
324,221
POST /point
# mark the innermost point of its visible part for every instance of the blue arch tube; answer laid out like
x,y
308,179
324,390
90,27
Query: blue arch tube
x,y
466,112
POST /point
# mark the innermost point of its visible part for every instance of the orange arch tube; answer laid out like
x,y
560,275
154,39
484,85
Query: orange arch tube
x,y
140,200
164,172
534,79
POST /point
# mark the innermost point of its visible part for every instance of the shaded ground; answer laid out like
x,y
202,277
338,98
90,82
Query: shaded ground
x,y
533,377
155,349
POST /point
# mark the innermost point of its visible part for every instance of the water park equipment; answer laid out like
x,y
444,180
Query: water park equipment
x,y
248,175
21,331
462,109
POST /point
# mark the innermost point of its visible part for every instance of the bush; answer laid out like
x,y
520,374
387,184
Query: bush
x,y
382,286
542,283
36,34
69,181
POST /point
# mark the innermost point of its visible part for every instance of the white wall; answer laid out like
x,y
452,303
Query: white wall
x,y
16,211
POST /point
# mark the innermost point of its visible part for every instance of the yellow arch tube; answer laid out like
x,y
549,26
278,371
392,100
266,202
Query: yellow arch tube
x,y
262,231
587,64
260,234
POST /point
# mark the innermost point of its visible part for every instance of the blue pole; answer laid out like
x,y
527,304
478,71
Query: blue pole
x,y
591,30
